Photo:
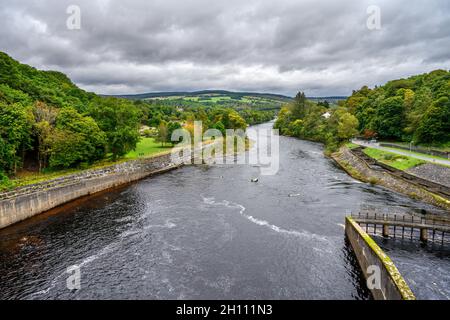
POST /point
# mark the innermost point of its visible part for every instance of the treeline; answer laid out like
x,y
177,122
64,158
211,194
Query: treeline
x,y
155,111
46,121
415,109
216,118
307,120
45,118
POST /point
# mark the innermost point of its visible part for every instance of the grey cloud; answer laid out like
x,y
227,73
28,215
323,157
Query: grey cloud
x,y
322,47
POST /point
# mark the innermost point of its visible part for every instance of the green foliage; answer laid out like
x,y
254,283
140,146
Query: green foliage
x,y
394,160
230,119
219,126
67,148
15,128
144,148
45,112
413,109
253,110
163,133
53,88
119,119
171,127
435,124
389,118
5,183
77,139
316,122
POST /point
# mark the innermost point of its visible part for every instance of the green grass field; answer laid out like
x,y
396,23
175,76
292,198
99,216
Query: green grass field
x,y
351,145
394,160
417,153
443,147
145,148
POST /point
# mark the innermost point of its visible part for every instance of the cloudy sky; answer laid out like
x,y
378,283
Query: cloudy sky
x,y
320,47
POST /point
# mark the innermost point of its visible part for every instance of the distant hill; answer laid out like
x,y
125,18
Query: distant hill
x,y
330,99
232,94
180,94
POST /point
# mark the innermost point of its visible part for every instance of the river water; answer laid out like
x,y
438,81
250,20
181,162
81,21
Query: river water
x,y
208,232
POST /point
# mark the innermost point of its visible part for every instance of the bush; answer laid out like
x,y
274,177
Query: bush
x,y
5,183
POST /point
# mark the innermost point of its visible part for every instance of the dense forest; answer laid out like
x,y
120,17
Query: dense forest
x,y
45,118
46,121
415,109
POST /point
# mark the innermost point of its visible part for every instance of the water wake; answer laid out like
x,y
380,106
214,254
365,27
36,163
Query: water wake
x,y
264,223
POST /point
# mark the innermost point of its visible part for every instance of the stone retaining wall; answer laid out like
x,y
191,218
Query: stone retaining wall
x,y
361,170
31,200
432,186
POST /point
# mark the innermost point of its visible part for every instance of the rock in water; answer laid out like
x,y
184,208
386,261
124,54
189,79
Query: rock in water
x,y
255,180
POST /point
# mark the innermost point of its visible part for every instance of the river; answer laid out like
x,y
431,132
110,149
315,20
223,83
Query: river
x,y
208,232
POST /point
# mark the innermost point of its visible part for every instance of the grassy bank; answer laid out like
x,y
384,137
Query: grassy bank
x,y
416,153
442,147
359,170
394,160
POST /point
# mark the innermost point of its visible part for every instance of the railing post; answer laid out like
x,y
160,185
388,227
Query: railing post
x,y
424,234
385,228
403,227
395,219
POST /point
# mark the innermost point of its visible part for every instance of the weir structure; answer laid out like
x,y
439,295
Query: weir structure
x,y
415,227
370,257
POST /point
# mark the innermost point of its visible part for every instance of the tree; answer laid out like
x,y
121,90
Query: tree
x,y
90,140
44,121
119,119
347,126
219,126
390,118
171,127
15,137
296,128
435,124
163,133
67,149
299,106
232,120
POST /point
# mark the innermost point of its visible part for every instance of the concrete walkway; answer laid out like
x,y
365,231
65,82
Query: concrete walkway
x,y
421,156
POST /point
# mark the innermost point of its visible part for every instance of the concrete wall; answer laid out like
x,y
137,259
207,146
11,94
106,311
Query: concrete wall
x,y
26,202
393,286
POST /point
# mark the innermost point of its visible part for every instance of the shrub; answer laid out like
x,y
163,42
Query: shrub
x,y
5,183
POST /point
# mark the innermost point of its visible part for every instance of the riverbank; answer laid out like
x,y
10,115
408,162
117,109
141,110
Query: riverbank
x,y
30,200
145,148
358,169
35,198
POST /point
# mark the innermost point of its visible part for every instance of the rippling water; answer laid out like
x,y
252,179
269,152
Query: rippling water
x,y
208,232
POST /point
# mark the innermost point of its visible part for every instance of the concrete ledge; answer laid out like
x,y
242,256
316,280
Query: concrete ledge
x,y
393,286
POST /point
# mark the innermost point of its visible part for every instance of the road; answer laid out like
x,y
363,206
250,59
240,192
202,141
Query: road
x,y
402,152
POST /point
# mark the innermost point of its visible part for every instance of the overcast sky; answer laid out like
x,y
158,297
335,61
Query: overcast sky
x,y
279,46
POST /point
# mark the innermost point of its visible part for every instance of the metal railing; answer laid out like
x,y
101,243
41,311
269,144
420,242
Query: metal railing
x,y
406,226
